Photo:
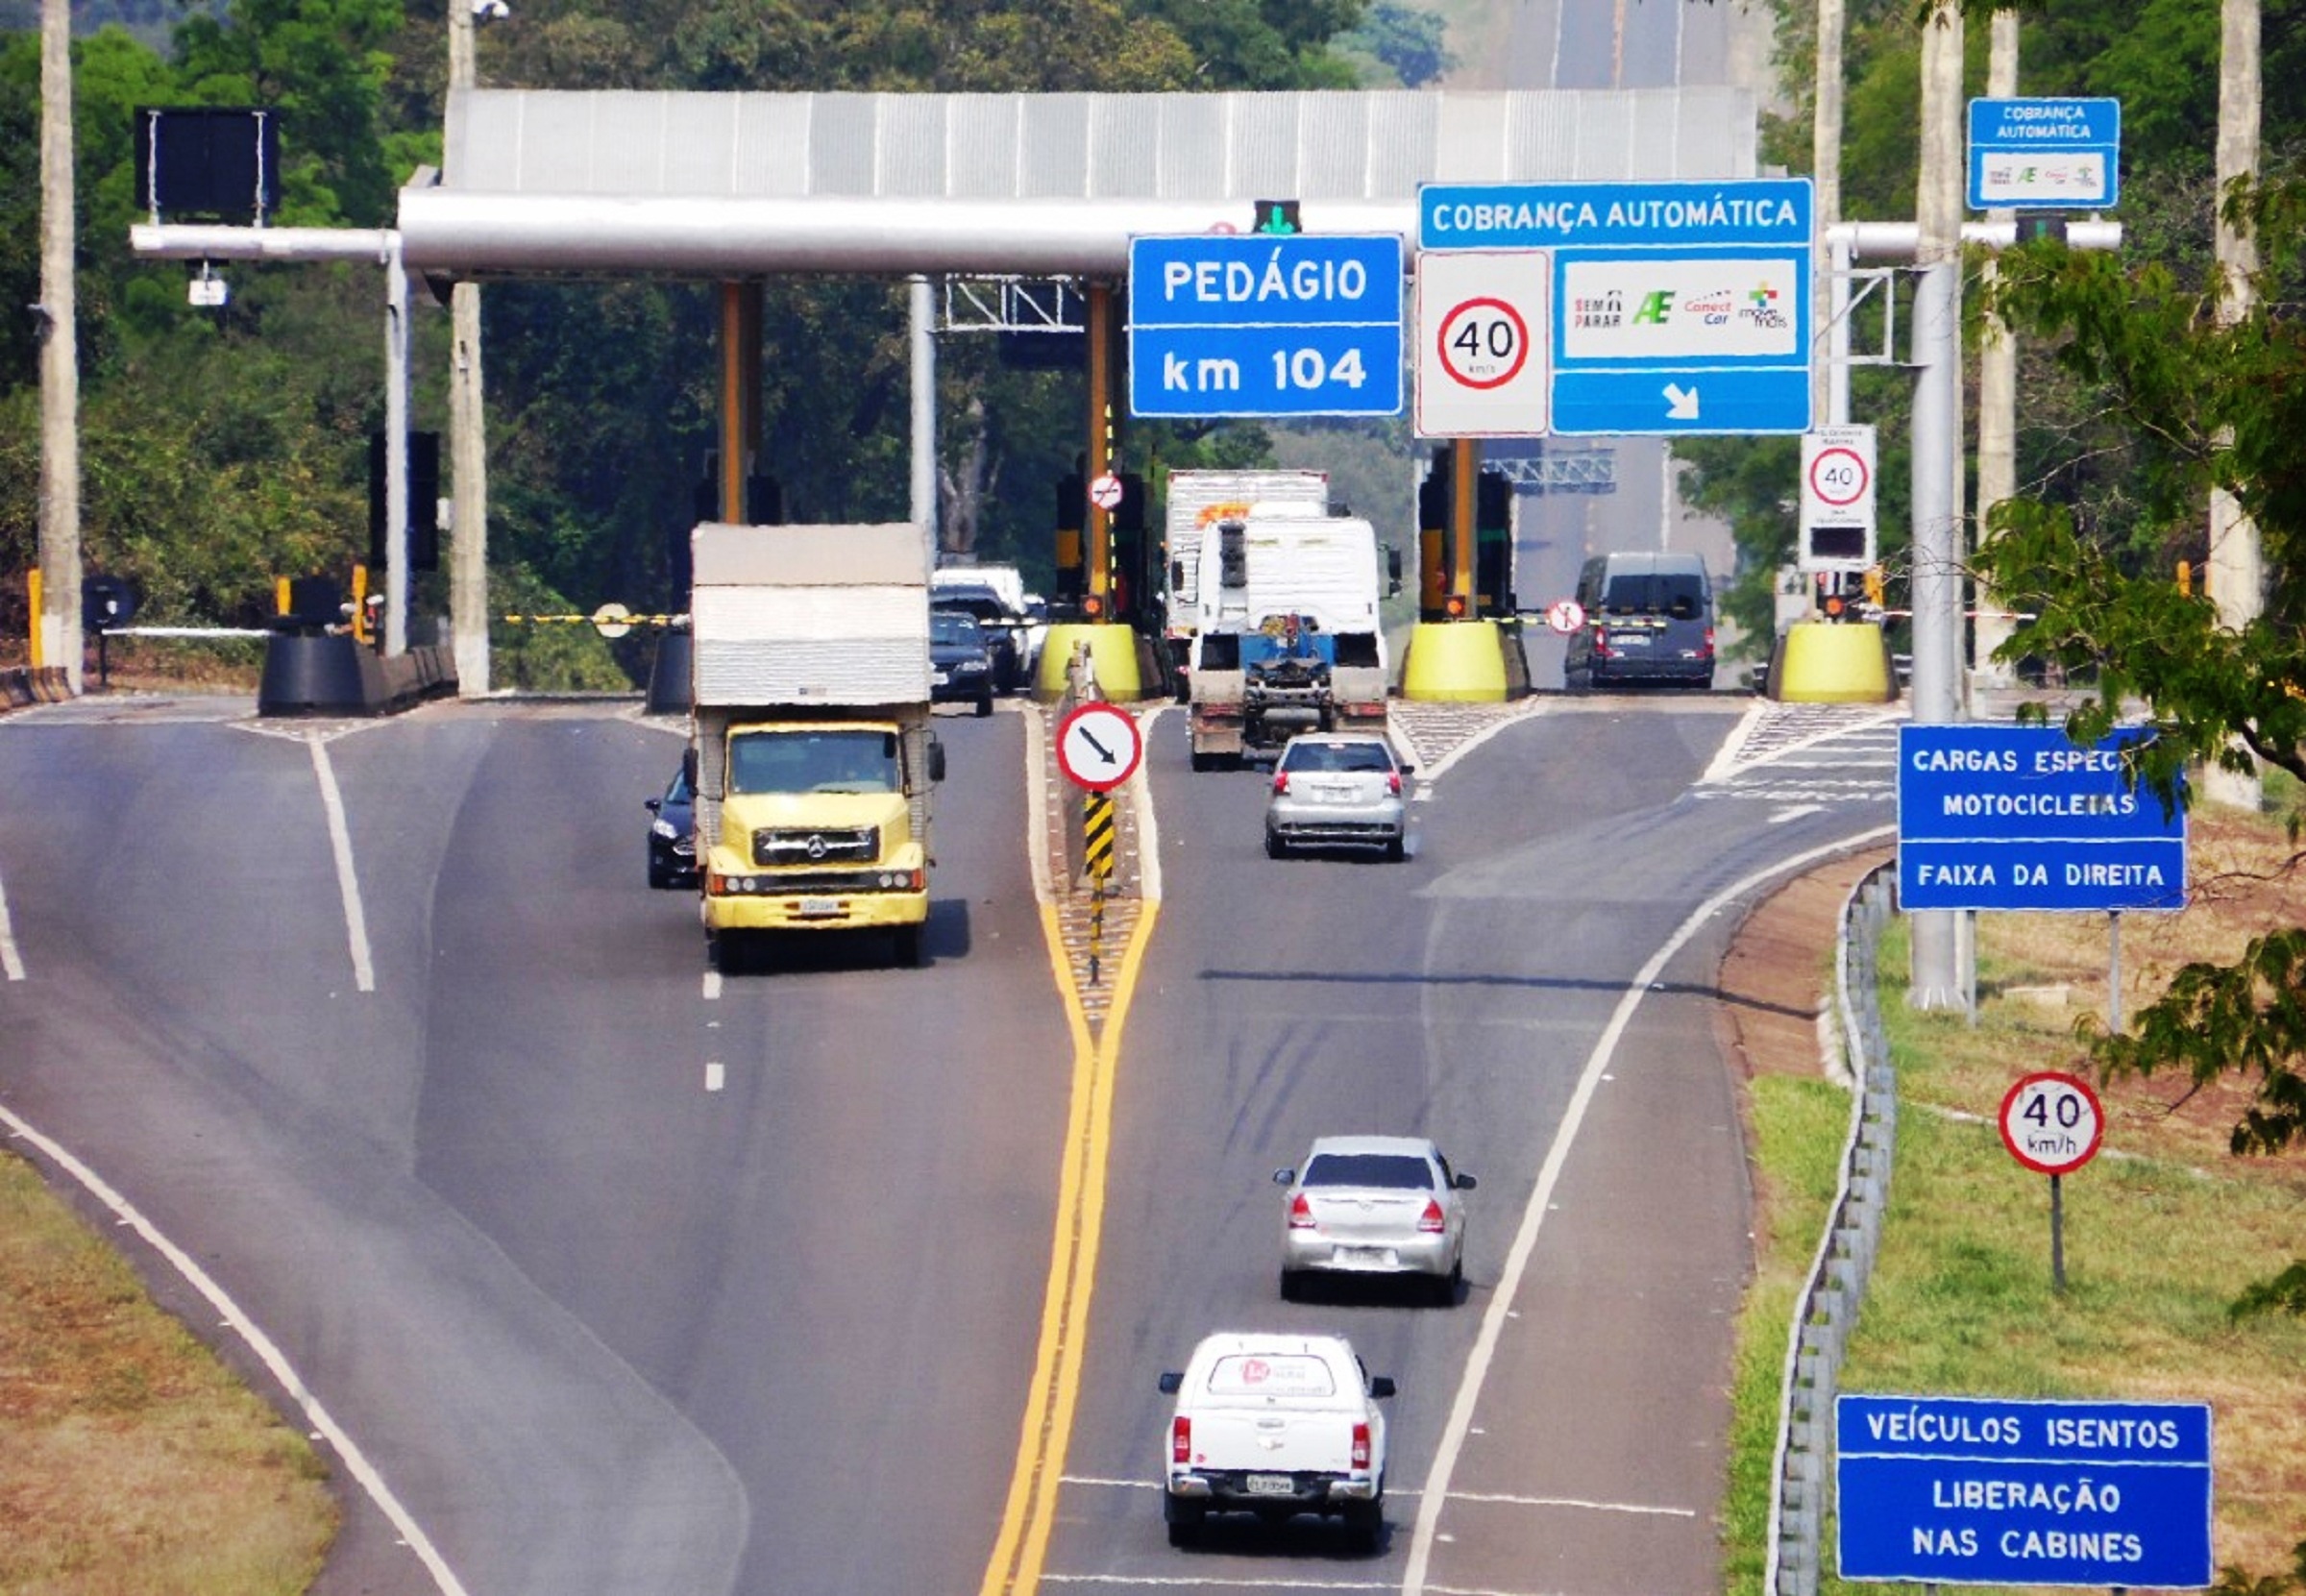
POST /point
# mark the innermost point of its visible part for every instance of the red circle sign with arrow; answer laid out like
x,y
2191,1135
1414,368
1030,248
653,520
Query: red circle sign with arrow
x,y
1098,747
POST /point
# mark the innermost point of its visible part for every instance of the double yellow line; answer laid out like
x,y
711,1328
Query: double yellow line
x,y
1031,1513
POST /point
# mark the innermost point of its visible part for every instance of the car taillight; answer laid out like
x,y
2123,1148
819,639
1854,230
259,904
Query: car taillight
x,y
1360,1445
1280,781
1181,1440
1708,651
1301,1212
1394,782
1431,1219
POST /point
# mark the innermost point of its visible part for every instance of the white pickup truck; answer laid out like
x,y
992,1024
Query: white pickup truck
x,y
1276,1424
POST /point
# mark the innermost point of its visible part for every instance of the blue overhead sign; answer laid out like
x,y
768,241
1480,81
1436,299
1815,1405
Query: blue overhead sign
x,y
2011,817
1265,325
1980,1490
2045,154
1678,308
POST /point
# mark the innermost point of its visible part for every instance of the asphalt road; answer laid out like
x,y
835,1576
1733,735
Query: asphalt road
x,y
614,1276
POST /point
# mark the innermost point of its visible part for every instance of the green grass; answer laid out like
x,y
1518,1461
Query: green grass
x,y
2160,1233
132,1460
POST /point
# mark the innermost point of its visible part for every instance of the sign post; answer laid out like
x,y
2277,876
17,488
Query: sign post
x,y
2052,1124
1265,325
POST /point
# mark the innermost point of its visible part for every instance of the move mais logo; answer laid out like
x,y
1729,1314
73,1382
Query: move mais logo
x,y
1762,306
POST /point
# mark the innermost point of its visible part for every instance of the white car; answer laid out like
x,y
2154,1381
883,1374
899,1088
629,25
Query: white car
x,y
1275,1424
1382,1204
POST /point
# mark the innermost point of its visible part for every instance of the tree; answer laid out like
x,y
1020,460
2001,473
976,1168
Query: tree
x,y
2197,403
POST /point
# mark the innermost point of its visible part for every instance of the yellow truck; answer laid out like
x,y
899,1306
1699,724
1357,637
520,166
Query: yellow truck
x,y
810,720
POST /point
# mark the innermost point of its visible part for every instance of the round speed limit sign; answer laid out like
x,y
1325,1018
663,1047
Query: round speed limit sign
x,y
2051,1123
1484,343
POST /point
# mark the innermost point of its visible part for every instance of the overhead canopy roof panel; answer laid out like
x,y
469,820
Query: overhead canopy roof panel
x,y
720,184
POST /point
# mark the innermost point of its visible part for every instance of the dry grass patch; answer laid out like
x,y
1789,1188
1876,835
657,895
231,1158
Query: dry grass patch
x,y
132,1460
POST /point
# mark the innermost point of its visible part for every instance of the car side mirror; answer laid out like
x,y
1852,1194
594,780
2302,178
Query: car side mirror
x,y
1382,1386
1408,769
1283,1177
1172,1381
1467,1183
652,805
935,760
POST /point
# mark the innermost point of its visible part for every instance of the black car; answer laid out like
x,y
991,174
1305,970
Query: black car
x,y
960,665
673,833
1001,628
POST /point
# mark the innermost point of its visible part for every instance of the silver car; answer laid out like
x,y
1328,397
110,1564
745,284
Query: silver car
x,y
1338,788
1364,1205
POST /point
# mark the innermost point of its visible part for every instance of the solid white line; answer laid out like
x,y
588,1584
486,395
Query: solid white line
x,y
347,884
10,961
1525,1240
1148,832
355,1461
1037,805
1724,757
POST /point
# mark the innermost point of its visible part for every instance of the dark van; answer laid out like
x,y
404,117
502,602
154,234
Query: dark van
x,y
1648,618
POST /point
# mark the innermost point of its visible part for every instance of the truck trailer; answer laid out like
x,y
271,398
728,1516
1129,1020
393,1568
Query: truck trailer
x,y
1197,500
810,725
1286,636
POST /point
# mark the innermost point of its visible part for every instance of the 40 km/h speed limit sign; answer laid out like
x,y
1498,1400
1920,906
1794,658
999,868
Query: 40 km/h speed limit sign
x,y
1481,335
1837,500
2051,1123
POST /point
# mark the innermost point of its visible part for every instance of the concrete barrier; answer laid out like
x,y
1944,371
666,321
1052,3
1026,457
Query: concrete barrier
x,y
1111,657
331,673
1833,662
1456,662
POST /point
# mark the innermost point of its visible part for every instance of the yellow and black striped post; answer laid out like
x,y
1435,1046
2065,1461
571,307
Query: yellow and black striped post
x,y
1097,834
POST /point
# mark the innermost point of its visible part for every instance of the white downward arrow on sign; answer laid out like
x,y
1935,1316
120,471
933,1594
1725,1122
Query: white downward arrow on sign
x,y
1681,403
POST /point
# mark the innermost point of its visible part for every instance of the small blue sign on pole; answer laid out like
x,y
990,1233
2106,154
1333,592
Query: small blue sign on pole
x,y
1265,325
1678,308
1983,1490
2038,154
2011,817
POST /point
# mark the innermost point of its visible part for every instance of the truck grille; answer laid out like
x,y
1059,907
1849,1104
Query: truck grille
x,y
847,846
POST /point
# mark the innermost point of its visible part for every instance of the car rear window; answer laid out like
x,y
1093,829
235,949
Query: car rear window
x,y
1339,756
1271,1374
1676,593
1397,1171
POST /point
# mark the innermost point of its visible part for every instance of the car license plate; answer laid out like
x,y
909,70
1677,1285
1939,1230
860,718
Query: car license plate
x,y
1270,1485
820,906
1629,640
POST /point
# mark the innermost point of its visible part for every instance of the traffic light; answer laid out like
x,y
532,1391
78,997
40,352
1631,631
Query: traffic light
x,y
1875,587
423,502
2040,227
1276,216
1493,542
2186,578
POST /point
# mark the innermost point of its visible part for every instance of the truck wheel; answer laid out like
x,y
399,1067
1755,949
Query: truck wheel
x,y
1184,1520
985,703
909,946
1365,1523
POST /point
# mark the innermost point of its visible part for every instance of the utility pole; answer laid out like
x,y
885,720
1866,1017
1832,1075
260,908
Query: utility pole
x,y
57,631
1996,391
2236,569
1826,187
1937,979
467,435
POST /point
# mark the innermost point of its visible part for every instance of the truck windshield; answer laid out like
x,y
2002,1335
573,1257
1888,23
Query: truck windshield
x,y
812,762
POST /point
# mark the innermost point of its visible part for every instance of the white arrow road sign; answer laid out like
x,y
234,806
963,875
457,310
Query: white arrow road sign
x,y
1680,403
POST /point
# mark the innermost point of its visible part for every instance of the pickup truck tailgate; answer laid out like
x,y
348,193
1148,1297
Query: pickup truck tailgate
x,y
1281,1442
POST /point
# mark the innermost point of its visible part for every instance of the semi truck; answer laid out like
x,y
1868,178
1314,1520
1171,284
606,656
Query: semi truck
x,y
1197,500
810,727
1286,636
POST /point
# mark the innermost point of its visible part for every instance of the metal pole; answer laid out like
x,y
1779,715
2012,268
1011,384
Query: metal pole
x,y
1464,472
1096,525
1997,394
2057,1236
396,450
57,639
922,305
731,493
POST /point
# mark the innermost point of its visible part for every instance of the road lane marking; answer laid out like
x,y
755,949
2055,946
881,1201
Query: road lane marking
x,y
10,959
1557,1157
1030,1515
716,1075
323,1425
347,884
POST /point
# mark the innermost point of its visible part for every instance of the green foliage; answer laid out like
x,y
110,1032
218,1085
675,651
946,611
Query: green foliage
x,y
1409,45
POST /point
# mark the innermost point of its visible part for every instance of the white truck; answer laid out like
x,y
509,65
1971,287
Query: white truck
x,y
1197,500
1286,636
1275,1424
810,724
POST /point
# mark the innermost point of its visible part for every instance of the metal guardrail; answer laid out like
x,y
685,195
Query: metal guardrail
x,y
1828,1309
